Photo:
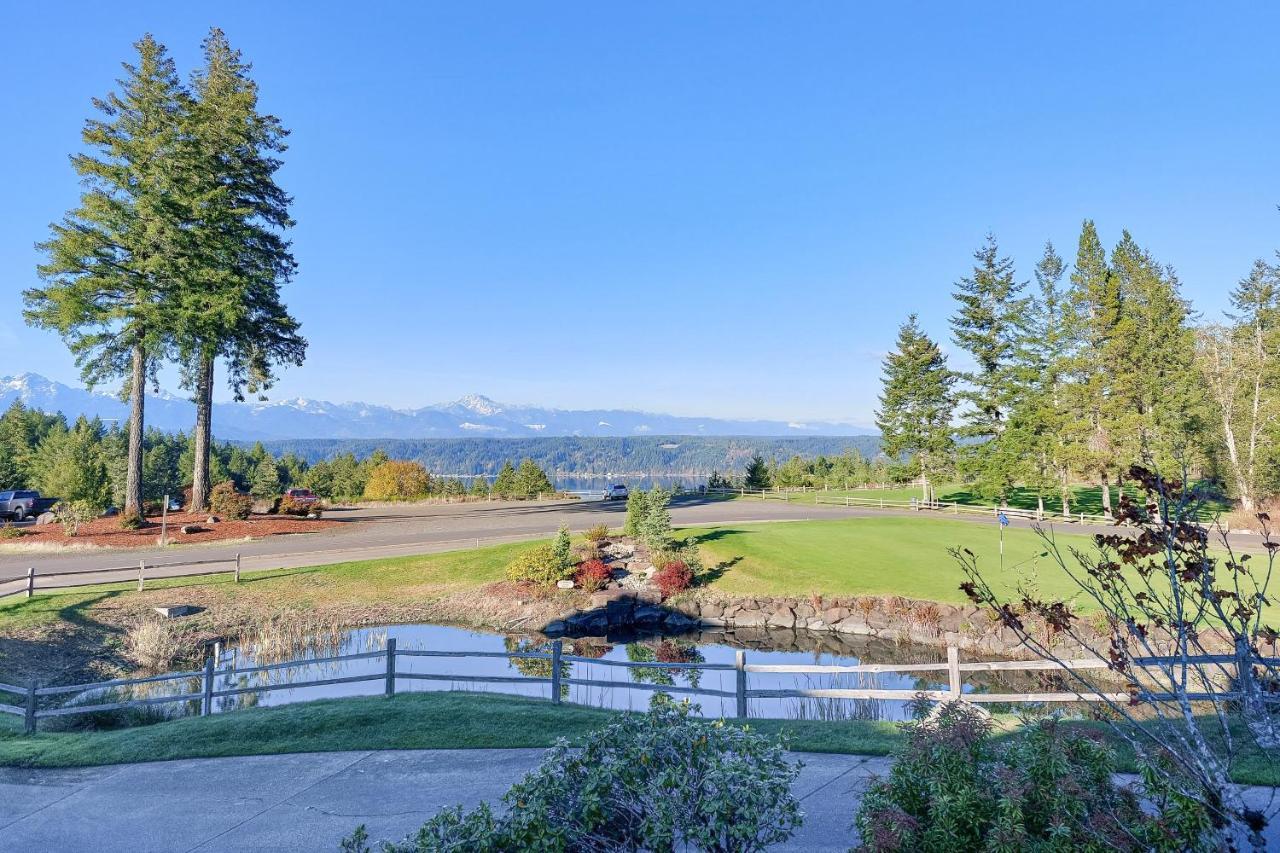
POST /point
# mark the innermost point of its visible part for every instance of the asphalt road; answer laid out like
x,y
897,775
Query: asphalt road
x,y
369,533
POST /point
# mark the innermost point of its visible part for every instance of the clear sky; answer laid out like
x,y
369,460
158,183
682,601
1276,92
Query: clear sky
x,y
713,208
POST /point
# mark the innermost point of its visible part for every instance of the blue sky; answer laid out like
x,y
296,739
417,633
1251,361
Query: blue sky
x,y
716,208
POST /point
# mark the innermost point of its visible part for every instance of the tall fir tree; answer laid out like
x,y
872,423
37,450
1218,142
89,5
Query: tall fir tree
x,y
916,405
231,295
112,262
988,325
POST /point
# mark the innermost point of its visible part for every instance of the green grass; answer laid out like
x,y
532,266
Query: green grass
x,y
438,720
880,555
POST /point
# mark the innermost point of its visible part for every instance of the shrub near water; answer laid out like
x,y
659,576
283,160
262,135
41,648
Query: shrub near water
x,y
660,781
541,565
672,578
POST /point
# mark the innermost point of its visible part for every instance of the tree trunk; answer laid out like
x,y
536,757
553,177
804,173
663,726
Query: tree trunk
x,y
1106,493
1065,486
137,395
202,435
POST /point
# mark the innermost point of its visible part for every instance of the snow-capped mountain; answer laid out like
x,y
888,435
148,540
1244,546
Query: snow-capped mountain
x,y
473,415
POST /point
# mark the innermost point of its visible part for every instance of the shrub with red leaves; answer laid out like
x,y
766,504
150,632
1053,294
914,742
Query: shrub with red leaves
x,y
591,575
672,578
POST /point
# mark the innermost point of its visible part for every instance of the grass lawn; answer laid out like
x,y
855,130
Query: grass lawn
x,y
883,555
437,720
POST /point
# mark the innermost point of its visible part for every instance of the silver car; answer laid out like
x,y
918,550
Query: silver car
x,y
18,504
617,492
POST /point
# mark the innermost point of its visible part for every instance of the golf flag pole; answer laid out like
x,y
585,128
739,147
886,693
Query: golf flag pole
x,y
1004,522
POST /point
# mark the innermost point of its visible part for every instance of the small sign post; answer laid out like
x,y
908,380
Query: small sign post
x,y
1004,522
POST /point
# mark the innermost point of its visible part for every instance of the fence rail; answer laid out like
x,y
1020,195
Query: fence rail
x,y
27,586
742,693
819,496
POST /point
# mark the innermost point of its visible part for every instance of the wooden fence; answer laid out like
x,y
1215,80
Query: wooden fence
x,y
36,580
820,496
201,685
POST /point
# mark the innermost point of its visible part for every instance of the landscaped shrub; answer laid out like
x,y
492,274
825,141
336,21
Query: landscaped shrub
x,y
132,521
672,578
563,548
540,565
11,531
591,575
587,551
226,502
659,781
953,787
598,533
72,514
289,506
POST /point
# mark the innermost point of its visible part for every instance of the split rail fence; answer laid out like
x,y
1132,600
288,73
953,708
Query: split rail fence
x,y
35,581
819,496
201,685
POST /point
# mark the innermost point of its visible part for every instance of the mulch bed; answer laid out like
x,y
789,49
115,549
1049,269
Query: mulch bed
x,y
106,532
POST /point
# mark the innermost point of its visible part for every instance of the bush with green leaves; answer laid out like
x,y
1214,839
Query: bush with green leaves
x,y
661,781
648,518
597,533
540,565
953,787
73,514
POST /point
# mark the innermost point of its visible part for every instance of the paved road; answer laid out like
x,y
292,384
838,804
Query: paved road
x,y
310,801
417,529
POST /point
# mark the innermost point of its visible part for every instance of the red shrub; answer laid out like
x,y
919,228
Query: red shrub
x,y
672,578
591,575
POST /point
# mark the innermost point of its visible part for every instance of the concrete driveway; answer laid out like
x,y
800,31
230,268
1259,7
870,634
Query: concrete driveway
x,y
310,801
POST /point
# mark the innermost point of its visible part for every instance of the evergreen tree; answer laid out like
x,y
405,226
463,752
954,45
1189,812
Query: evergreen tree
x,y
757,476
21,431
989,326
563,548
480,487
231,303
266,478
1098,330
111,263
531,481
654,528
504,485
916,404
69,464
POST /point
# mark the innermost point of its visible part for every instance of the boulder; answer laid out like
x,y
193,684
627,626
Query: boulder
x,y
564,584
188,529
213,519
783,617
832,615
749,619
46,518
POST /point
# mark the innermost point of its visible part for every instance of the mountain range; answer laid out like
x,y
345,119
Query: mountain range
x,y
472,416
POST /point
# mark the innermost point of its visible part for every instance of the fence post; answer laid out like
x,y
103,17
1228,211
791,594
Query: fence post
x,y
31,580
740,688
391,666
206,707
237,568
953,673
556,650
142,565
29,719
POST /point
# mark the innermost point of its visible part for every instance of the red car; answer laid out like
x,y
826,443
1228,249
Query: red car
x,y
301,496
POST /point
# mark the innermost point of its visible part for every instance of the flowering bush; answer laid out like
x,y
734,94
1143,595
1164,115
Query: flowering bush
x,y
659,781
672,578
591,575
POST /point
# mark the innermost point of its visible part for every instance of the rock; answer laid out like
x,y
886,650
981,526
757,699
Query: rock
x,y
711,609
783,617
749,619
854,623
188,529
213,519
832,615
649,595
804,611
173,611
46,518
564,584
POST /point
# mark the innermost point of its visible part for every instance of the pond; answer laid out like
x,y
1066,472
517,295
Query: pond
x,y
706,647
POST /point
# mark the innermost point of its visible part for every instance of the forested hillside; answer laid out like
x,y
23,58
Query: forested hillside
x,y
674,455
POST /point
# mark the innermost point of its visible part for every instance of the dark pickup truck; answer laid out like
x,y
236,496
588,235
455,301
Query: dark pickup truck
x,y
22,504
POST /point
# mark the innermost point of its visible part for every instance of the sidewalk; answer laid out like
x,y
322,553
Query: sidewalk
x,y
310,801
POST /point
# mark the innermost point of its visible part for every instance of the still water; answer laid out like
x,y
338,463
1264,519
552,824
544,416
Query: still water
x,y
699,648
